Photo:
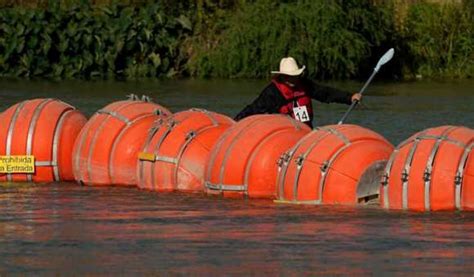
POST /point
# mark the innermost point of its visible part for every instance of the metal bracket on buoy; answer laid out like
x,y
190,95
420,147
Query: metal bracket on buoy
x,y
153,129
324,167
404,176
385,178
133,97
427,175
280,162
283,159
299,160
146,98
158,123
192,134
171,124
458,179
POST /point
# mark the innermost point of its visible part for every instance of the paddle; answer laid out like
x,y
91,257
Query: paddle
x,y
383,60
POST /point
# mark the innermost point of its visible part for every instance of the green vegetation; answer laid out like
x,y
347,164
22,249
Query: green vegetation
x,y
439,40
331,39
233,39
87,41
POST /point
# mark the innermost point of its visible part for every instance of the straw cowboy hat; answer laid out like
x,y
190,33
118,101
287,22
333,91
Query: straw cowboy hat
x,y
288,66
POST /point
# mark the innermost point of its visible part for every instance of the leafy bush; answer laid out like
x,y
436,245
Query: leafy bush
x,y
87,41
439,40
229,39
332,38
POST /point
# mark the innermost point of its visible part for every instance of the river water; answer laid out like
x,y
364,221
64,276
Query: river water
x,y
65,228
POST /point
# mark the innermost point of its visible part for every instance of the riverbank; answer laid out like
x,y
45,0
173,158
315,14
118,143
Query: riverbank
x,y
241,39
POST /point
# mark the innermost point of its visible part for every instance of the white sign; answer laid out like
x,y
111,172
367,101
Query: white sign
x,y
301,113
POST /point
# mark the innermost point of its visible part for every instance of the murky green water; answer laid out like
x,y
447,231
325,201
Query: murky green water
x,y
64,228
396,110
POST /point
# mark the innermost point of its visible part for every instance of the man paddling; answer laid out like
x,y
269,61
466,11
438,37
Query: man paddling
x,y
290,93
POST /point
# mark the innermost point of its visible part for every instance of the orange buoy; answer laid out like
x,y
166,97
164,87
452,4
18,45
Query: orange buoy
x,y
45,129
337,164
106,150
244,160
177,148
466,199
432,170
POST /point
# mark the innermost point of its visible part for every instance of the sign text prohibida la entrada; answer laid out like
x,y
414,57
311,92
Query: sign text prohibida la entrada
x,y
17,164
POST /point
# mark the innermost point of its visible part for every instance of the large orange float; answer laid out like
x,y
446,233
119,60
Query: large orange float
x,y
244,160
464,200
432,170
106,150
339,164
45,129
177,148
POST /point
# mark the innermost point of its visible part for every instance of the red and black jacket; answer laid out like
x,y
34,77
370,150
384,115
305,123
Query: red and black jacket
x,y
278,97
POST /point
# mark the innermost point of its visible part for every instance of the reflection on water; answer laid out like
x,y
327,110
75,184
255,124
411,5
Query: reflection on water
x,y
64,227
396,110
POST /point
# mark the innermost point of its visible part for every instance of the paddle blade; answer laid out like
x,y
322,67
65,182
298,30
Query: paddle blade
x,y
385,59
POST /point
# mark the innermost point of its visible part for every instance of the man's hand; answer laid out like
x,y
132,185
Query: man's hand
x,y
356,97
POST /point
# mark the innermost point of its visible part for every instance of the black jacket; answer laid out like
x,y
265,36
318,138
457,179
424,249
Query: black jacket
x,y
271,100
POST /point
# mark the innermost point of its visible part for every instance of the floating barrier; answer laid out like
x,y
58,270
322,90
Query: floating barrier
x,y
106,150
43,131
430,171
177,148
467,182
338,164
244,160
